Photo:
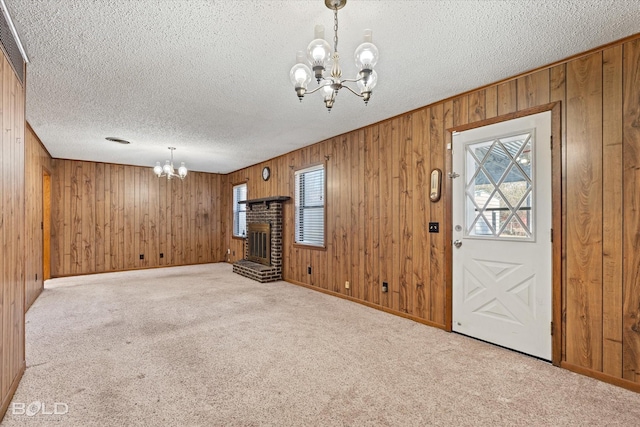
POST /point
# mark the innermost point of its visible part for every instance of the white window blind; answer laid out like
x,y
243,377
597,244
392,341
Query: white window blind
x,y
309,198
239,210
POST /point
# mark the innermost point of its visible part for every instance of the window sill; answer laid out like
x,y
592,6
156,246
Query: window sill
x,y
307,246
238,237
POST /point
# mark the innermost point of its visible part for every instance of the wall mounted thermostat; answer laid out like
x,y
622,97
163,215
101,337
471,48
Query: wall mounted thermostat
x,y
436,179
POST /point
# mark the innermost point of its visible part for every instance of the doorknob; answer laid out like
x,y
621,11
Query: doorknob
x,y
457,243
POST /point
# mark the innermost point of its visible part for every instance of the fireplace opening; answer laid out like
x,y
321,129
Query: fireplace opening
x,y
259,243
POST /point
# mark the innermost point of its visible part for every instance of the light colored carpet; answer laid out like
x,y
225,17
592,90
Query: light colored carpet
x,y
200,345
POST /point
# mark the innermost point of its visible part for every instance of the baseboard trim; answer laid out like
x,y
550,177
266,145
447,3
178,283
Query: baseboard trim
x,y
368,304
620,382
14,386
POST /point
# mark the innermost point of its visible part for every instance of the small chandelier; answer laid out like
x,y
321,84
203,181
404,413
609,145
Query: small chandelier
x,y
319,56
168,170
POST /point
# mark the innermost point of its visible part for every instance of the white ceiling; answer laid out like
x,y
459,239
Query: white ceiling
x,y
211,78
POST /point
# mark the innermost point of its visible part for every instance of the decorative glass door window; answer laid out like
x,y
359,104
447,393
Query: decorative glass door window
x,y
499,187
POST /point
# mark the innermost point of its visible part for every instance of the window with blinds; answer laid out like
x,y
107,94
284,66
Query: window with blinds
x,y
309,205
239,210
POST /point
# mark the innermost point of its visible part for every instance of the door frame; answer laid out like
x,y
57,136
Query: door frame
x,y
46,224
557,217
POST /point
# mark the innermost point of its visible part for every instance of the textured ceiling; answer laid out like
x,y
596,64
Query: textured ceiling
x,y
211,77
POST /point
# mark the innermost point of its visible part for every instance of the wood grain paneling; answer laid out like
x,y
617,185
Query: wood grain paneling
x,y
104,222
114,213
37,161
533,89
74,172
46,225
440,119
13,232
397,223
88,219
378,213
612,214
584,201
117,195
357,202
631,211
384,255
164,238
507,97
405,215
101,223
345,237
130,254
372,236
491,102
477,106
420,165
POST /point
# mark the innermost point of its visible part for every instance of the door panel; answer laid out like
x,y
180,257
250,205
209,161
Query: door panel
x,y
502,275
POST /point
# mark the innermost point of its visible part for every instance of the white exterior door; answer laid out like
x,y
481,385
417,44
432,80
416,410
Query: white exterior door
x,y
502,259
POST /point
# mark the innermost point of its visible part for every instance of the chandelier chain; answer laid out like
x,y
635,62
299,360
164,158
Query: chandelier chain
x,y
335,28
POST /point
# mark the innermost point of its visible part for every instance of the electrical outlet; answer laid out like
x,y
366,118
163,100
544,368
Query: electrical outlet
x,y
141,256
309,269
385,287
434,227
228,251
346,285
161,254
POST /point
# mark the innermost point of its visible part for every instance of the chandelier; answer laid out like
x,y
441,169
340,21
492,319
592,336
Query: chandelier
x,y
319,57
168,170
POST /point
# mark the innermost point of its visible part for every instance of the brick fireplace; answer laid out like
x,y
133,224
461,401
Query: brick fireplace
x,y
263,245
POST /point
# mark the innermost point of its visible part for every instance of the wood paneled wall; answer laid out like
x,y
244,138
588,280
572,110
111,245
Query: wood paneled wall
x,y
378,210
12,230
377,214
37,162
104,216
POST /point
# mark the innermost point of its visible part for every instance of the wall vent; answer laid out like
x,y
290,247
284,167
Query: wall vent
x,y
10,47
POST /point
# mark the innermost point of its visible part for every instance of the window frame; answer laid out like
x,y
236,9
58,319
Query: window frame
x,y
236,209
303,244
497,183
